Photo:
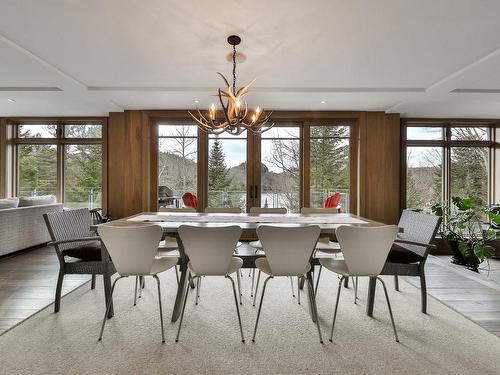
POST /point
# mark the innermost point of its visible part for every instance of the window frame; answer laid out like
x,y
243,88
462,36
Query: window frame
x,y
447,143
60,141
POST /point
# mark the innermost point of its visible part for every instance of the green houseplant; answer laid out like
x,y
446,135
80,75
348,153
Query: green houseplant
x,y
469,239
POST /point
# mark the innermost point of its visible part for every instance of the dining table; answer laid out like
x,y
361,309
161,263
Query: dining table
x,y
171,221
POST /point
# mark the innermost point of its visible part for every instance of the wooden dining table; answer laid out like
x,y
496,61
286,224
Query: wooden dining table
x,y
171,221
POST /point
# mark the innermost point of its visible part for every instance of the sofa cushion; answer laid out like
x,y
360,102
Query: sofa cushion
x,y
88,252
9,203
399,254
36,200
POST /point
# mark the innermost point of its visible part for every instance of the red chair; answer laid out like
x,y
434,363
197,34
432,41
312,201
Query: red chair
x,y
189,200
333,201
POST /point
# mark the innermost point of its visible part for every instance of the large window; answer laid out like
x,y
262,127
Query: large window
x,y
60,158
280,168
227,170
177,163
330,163
446,160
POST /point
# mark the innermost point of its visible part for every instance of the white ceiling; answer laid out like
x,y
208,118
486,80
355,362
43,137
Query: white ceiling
x,y
401,56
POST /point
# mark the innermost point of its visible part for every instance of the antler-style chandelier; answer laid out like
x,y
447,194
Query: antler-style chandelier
x,y
235,115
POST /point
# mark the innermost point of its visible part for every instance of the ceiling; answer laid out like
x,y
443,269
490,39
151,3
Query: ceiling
x,y
79,58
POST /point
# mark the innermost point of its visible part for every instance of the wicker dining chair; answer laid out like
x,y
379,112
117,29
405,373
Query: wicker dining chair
x,y
417,231
78,249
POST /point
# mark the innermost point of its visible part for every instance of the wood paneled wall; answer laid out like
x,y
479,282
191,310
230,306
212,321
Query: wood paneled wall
x,y
129,158
380,167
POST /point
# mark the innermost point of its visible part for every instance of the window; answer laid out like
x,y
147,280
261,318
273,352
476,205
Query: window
x,y
60,158
330,163
177,163
280,168
446,160
227,170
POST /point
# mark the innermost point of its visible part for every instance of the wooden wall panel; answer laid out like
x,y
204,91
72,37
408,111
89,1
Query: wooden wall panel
x,y
128,163
380,167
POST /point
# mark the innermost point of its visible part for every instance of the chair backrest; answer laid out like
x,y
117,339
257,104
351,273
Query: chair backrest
x,y
209,249
418,227
365,249
308,210
223,210
173,209
132,247
189,200
267,210
332,201
67,225
288,249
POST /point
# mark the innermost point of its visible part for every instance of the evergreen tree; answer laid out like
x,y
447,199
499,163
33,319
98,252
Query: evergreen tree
x,y
218,175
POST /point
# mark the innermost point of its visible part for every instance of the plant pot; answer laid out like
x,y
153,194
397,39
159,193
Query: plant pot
x,y
458,257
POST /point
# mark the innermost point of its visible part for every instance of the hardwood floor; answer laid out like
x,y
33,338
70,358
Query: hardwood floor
x,y
476,296
27,285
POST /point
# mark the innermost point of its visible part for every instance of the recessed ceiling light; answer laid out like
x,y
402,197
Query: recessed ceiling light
x,y
11,100
196,101
323,102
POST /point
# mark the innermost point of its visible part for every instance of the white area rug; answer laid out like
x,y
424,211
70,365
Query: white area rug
x,y
442,342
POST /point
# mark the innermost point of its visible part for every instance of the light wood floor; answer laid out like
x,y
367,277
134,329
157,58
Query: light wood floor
x,y
28,284
476,296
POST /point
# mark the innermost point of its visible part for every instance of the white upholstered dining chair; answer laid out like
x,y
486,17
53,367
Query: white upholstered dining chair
x,y
365,251
134,249
288,253
210,252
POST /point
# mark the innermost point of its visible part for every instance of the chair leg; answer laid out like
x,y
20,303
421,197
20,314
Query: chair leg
x,y
197,290
256,289
182,314
238,279
135,290
110,302
298,290
236,303
57,301
390,310
423,292
355,282
315,307
161,311
92,283
177,274
317,279
336,306
253,278
260,306
291,284
396,283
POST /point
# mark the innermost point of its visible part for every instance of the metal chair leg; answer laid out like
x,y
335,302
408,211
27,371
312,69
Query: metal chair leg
x,y
92,283
57,301
177,275
396,283
135,290
390,310
197,290
239,286
423,292
291,284
256,289
260,306
253,278
355,281
336,306
298,290
182,313
315,307
161,311
317,279
110,302
237,307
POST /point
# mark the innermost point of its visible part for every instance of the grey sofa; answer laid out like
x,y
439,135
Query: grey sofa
x,y
24,227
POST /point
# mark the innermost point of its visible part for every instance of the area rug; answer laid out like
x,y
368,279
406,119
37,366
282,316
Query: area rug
x,y
442,342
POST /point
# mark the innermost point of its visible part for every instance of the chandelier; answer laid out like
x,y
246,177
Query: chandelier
x,y
234,118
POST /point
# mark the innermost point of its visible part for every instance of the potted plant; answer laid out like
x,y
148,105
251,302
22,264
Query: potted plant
x,y
469,239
